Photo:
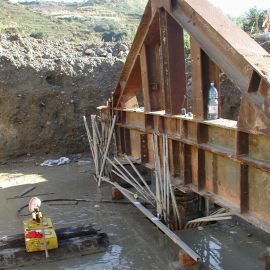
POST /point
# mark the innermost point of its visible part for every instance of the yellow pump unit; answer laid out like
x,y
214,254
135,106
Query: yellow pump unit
x,y
39,233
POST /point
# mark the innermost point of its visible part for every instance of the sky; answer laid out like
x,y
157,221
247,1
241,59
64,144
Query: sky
x,y
239,7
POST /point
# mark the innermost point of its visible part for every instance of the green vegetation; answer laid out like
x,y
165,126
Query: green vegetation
x,y
95,20
37,35
187,44
131,8
14,18
251,22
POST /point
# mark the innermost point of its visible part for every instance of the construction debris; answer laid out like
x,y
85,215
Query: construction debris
x,y
55,162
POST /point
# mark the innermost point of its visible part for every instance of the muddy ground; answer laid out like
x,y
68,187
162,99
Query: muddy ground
x,y
135,243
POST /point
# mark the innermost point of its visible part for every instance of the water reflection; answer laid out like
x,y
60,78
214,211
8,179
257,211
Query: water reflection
x,y
221,248
111,260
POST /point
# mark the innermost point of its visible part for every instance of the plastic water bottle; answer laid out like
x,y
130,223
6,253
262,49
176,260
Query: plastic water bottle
x,y
212,104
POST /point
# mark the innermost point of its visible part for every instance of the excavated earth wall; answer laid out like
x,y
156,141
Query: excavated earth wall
x,y
45,89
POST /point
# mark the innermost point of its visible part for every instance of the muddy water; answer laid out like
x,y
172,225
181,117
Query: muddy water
x,y
228,245
134,242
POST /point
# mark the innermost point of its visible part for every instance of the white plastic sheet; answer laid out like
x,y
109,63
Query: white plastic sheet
x,y
55,162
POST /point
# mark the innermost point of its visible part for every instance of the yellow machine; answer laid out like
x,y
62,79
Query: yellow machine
x,y
39,233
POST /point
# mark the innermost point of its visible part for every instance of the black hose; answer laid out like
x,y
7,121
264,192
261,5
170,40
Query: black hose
x,y
72,200
69,200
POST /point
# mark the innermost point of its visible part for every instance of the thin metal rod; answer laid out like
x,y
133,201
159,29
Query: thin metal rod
x,y
140,176
97,129
164,179
89,136
208,219
95,144
116,185
44,239
140,187
167,176
175,206
125,178
106,150
157,173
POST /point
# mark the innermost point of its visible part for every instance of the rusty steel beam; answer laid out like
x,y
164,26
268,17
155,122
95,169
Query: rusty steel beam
x,y
154,78
198,108
144,148
200,159
244,193
210,73
221,159
251,119
236,54
134,86
133,53
173,62
157,4
226,45
230,47
145,81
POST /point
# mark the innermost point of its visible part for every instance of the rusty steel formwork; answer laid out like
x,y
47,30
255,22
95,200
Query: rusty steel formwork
x,y
226,161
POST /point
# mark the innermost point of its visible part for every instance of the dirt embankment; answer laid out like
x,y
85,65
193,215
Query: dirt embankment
x,y
46,87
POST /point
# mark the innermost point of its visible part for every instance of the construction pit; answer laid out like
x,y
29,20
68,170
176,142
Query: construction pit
x,y
202,200
134,242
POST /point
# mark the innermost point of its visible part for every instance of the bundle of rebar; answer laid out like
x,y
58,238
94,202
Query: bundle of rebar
x,y
164,189
99,143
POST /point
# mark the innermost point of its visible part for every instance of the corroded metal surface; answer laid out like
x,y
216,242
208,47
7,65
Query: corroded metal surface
x,y
223,160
